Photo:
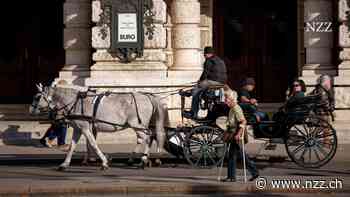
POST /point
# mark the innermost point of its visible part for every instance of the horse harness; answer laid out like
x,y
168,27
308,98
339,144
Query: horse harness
x,y
96,103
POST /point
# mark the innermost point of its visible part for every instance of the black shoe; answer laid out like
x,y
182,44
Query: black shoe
x,y
228,180
43,142
253,177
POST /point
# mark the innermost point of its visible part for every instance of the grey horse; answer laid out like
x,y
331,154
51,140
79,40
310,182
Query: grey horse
x,y
105,112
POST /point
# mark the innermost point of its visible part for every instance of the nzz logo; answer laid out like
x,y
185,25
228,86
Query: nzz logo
x,y
318,27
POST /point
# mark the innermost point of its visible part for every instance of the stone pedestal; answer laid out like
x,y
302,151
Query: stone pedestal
x,y
77,34
318,43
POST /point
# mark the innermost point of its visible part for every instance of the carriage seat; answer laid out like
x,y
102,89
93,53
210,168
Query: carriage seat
x,y
303,104
213,94
249,113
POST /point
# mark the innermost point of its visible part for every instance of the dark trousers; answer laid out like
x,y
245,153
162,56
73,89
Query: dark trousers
x,y
57,131
233,152
262,115
197,91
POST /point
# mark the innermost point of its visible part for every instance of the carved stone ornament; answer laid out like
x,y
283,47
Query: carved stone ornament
x,y
126,54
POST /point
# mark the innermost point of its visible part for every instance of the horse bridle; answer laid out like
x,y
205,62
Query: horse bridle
x,y
37,98
51,108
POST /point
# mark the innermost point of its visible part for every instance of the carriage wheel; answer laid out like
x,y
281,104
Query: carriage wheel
x,y
311,143
204,147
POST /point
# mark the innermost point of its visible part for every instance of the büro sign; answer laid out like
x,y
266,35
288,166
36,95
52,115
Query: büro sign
x,y
127,27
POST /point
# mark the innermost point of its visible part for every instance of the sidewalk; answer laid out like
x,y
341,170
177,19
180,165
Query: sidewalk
x,y
14,152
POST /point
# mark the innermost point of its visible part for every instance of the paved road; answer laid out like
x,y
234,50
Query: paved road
x,y
43,178
33,171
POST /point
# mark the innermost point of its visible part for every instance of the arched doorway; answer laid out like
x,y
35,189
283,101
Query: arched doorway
x,y
31,49
258,39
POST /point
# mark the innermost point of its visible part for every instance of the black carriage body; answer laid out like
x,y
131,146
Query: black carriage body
x,y
310,141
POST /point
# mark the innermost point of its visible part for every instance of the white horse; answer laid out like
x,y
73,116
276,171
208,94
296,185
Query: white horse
x,y
105,112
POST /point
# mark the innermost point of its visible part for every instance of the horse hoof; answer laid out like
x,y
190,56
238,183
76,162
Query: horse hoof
x,y
158,162
84,163
61,168
147,163
104,168
141,165
110,159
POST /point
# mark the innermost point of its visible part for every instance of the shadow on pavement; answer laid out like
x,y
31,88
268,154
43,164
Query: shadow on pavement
x,y
12,136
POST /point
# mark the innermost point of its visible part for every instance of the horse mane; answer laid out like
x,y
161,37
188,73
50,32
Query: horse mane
x,y
69,91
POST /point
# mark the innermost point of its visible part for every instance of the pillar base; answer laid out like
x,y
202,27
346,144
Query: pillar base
x,y
141,78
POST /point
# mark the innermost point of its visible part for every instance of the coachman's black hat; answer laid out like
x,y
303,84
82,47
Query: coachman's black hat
x,y
209,50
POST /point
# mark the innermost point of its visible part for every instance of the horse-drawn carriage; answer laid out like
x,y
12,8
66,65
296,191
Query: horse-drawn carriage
x,y
310,141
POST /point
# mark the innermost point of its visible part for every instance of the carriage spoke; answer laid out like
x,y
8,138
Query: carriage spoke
x,y
200,157
306,130
296,138
309,154
204,136
216,140
196,142
316,131
317,155
325,136
323,144
302,155
296,150
300,131
205,159
215,153
314,126
321,150
211,136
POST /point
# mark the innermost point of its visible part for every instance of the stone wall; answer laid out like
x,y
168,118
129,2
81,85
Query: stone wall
x,y
342,81
171,57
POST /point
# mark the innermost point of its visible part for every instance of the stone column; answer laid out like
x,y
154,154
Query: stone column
x,y
318,42
342,82
186,34
344,39
77,36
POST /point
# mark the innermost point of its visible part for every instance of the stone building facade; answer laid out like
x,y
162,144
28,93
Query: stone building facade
x,y
173,57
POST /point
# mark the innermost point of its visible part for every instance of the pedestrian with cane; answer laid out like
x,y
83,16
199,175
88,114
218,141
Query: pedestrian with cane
x,y
235,136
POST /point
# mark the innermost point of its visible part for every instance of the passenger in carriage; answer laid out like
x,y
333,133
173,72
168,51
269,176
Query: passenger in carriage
x,y
297,89
324,88
214,73
326,112
247,102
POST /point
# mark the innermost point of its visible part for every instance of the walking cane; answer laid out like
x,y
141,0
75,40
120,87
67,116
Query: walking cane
x,y
243,155
222,162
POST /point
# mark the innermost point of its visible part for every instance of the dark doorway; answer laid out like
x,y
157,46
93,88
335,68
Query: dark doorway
x,y
258,39
31,49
